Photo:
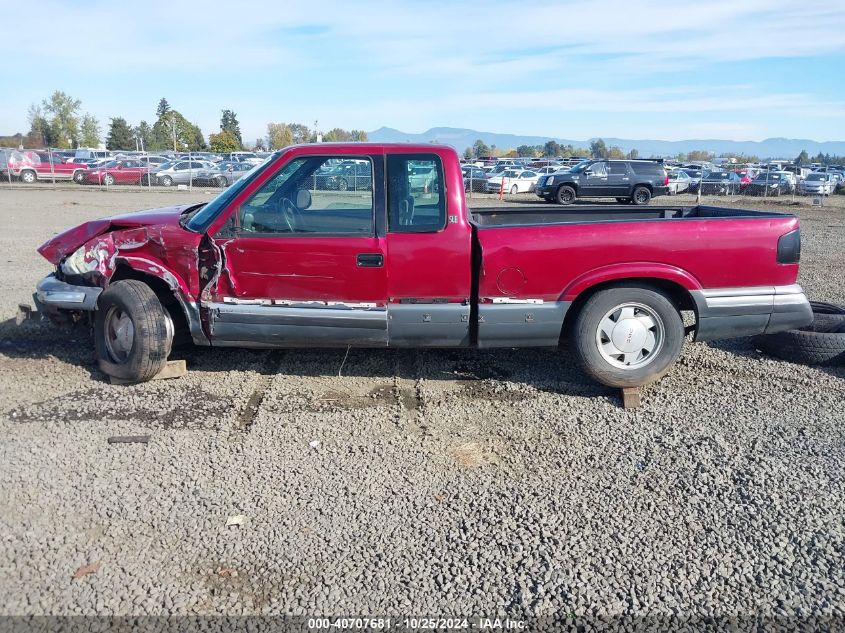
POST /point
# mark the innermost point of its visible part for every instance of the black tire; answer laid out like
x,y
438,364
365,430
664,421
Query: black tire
x,y
108,180
152,331
221,181
28,176
820,343
166,181
342,185
514,190
668,330
641,195
565,194
79,176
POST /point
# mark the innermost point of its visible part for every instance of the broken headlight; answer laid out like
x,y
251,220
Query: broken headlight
x,y
76,264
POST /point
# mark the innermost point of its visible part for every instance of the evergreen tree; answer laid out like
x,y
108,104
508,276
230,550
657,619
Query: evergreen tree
x,y
120,135
229,123
163,108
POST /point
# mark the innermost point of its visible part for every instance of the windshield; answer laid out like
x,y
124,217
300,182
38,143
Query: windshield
x,y
201,219
718,175
767,177
817,177
110,164
580,167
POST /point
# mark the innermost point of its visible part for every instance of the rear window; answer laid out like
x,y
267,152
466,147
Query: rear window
x,y
648,168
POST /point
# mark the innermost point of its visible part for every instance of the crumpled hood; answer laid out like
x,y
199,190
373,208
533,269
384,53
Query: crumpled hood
x,y
63,244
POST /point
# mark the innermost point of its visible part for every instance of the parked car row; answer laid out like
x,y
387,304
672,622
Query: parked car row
x,y
103,167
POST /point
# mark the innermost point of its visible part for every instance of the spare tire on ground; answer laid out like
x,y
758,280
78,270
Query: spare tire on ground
x,y
820,343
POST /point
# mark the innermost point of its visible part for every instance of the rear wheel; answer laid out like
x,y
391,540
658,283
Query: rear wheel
x,y
108,180
133,333
79,176
221,181
514,189
565,195
28,176
166,181
628,336
641,195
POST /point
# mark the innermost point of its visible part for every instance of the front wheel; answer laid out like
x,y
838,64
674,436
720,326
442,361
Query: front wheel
x,y
108,180
641,195
79,176
565,195
628,336
221,181
514,190
133,333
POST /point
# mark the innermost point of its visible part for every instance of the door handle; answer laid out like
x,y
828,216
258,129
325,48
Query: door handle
x,y
370,260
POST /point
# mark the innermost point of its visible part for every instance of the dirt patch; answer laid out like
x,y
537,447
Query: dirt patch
x,y
340,398
185,408
493,390
468,455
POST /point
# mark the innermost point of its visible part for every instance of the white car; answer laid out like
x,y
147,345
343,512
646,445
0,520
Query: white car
x,y
679,181
515,181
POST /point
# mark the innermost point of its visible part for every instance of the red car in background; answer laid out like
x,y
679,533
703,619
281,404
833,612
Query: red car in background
x,y
124,172
31,166
744,177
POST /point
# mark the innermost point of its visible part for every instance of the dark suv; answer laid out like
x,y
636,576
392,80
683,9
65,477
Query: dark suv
x,y
636,181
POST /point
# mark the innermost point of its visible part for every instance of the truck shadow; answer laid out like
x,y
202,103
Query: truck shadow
x,y
500,374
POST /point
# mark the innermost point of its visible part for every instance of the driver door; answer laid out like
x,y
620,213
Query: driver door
x,y
304,265
595,181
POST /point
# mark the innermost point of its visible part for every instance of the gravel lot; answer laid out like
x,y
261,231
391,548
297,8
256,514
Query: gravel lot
x,y
448,482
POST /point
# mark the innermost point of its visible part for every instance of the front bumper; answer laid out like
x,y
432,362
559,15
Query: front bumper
x,y
733,312
52,294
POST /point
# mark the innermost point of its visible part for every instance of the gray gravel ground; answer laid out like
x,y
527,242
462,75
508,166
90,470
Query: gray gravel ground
x,y
442,482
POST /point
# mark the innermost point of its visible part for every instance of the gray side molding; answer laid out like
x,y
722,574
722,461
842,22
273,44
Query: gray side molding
x,y
428,324
284,326
733,312
521,324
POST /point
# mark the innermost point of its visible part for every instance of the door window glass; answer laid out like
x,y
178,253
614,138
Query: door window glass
x,y
313,195
416,199
598,170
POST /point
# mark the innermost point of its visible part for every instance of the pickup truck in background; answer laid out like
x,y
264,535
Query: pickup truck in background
x,y
276,260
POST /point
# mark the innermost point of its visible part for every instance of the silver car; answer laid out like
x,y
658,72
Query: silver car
x,y
222,175
818,183
178,172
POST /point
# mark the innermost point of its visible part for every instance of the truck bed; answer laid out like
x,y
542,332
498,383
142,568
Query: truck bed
x,y
543,214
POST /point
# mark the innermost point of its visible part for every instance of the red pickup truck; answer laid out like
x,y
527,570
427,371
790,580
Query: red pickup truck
x,y
280,259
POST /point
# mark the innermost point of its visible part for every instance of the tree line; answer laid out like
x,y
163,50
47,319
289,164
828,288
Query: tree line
x,y
59,122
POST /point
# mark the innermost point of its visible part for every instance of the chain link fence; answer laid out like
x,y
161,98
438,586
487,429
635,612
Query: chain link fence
x,y
506,180
127,171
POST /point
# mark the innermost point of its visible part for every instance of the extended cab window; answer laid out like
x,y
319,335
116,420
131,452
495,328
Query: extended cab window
x,y
416,200
313,195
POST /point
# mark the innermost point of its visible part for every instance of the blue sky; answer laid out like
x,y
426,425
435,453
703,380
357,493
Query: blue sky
x,y
741,70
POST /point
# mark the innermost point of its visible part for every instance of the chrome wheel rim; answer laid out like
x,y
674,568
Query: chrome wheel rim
x,y
630,336
119,334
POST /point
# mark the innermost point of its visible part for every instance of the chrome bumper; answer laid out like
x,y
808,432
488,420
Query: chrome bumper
x,y
52,294
733,312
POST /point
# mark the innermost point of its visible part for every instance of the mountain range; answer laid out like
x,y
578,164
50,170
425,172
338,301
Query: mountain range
x,y
461,138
